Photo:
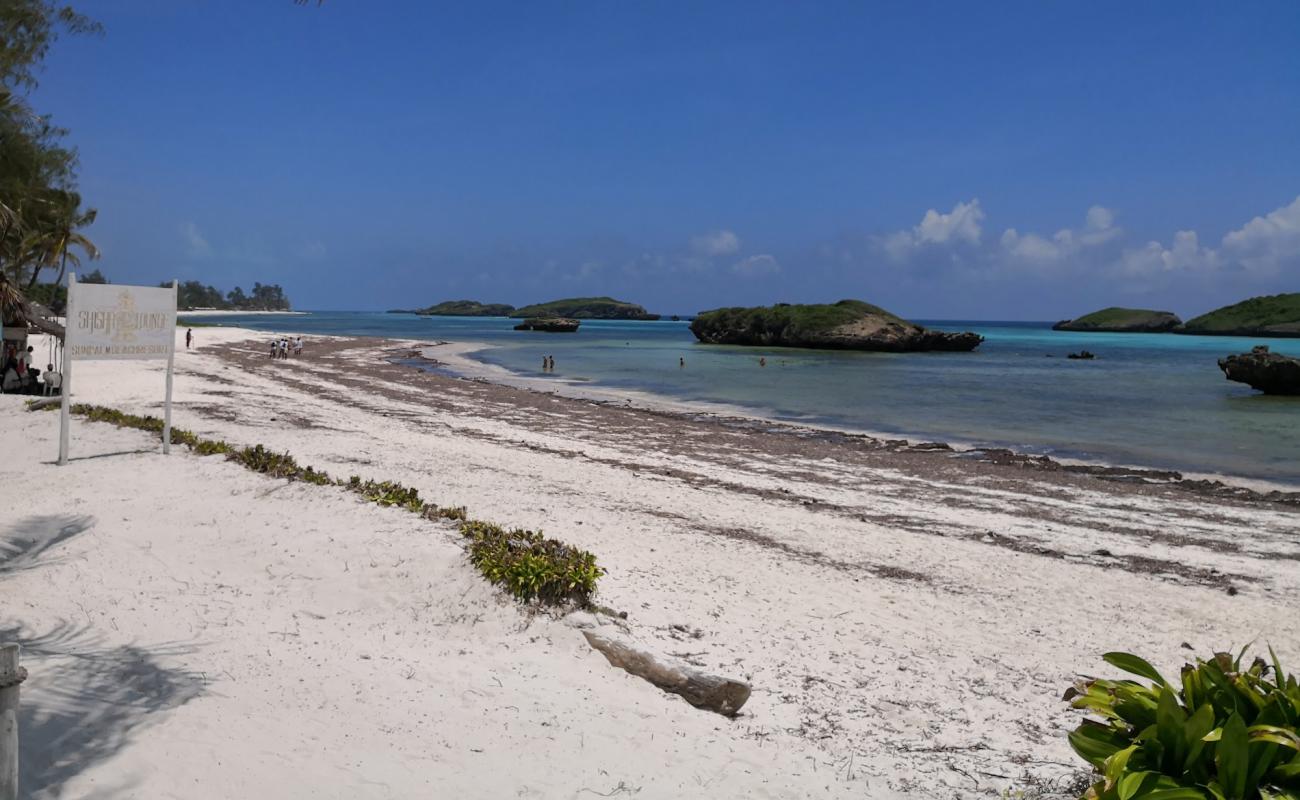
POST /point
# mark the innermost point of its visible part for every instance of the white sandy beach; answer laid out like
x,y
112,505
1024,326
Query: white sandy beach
x,y
195,630
218,312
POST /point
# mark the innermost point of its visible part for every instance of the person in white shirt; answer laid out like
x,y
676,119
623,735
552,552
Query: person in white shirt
x,y
297,346
53,380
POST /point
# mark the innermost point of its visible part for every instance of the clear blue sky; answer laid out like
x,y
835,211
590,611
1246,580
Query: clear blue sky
x,y
371,155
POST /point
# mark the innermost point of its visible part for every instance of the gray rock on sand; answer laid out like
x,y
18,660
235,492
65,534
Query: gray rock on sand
x,y
1271,373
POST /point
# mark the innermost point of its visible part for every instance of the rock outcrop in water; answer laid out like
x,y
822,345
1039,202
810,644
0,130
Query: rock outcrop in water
x,y
1271,373
846,325
549,325
1122,320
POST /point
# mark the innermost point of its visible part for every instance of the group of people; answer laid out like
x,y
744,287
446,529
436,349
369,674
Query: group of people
x,y
282,347
19,376
548,363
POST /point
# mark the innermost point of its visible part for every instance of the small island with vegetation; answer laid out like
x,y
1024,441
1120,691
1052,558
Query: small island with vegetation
x,y
1272,315
846,325
586,308
1122,320
460,308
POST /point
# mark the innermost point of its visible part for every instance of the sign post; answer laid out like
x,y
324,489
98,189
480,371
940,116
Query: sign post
x,y
111,321
171,357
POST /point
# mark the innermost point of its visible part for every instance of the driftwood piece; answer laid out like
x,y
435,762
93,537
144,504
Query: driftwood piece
x,y
700,689
37,405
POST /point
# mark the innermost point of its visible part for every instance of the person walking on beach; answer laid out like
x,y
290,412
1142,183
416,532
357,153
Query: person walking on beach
x,y
189,337
297,346
762,362
275,347
681,362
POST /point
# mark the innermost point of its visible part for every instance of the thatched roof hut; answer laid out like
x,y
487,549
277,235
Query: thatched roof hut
x,y
17,311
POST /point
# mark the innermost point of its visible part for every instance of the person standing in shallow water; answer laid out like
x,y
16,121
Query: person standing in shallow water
x,y
762,362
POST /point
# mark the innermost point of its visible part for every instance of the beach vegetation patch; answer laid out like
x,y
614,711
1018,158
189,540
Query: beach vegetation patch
x,y
453,513
530,566
1224,730
211,447
386,493
277,465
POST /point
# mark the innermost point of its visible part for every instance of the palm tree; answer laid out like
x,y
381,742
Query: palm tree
x,y
13,306
53,245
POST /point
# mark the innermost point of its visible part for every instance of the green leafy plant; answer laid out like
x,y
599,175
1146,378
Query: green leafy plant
x,y
386,493
267,462
530,566
211,447
455,513
1224,732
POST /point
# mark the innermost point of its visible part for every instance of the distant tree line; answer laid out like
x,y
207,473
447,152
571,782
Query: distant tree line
x,y
189,295
192,294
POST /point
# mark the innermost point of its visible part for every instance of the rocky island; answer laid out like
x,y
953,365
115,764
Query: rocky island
x,y
846,325
585,308
1271,373
466,308
549,325
1122,320
1271,315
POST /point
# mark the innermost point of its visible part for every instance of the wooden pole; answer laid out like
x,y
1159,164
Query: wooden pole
x,y
65,386
171,357
11,675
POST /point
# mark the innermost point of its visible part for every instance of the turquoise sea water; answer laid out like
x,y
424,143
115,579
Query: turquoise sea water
x,y
1148,399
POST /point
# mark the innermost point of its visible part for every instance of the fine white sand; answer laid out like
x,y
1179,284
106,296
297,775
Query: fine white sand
x,y
218,312
194,630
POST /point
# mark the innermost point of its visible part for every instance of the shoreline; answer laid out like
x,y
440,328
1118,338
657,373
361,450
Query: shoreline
x,y
219,312
456,358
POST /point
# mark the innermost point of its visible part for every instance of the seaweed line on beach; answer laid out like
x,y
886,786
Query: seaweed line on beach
x,y
529,566
394,380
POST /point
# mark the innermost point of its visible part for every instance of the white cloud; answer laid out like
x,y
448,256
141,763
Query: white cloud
x,y
1269,243
1184,256
754,266
1035,250
196,245
716,243
1264,247
960,226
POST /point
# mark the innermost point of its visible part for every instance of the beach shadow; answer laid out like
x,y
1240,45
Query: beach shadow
x,y
87,702
23,544
144,451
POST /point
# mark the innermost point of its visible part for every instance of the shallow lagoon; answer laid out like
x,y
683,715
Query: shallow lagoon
x,y
1156,400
